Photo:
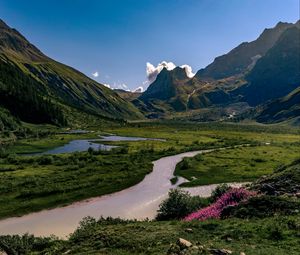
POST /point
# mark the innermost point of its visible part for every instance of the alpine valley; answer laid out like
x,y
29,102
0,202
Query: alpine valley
x,y
201,164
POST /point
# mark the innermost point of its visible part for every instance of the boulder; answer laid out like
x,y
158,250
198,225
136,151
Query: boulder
x,y
184,244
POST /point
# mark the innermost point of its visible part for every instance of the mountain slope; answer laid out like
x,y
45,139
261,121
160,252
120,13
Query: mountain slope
x,y
281,109
251,74
243,56
171,88
277,73
54,82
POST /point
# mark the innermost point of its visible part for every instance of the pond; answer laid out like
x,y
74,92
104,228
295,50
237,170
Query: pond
x,y
84,144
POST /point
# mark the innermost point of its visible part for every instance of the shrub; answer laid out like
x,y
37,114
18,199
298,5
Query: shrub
x,y
174,180
262,207
24,244
230,198
45,160
179,204
219,191
91,150
185,164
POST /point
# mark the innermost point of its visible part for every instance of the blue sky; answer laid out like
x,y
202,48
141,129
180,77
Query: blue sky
x,y
117,38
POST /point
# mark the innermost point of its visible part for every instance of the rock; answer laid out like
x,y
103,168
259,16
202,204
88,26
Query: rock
x,y
228,239
242,253
226,251
220,251
184,244
188,230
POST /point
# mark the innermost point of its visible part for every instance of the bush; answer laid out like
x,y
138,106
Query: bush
x,y
45,160
184,164
15,244
219,191
179,204
262,207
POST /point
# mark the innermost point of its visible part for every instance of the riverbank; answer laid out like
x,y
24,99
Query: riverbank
x,y
138,202
30,184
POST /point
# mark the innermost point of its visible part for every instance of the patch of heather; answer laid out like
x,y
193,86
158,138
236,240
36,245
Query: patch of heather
x,y
230,198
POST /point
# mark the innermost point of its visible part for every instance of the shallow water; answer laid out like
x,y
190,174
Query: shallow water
x,y
84,144
138,202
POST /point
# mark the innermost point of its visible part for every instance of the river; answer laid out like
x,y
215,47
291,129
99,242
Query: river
x,y
137,202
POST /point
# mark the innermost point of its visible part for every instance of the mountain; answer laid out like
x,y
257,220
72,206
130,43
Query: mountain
x,y
281,109
277,73
250,75
38,89
243,56
128,95
170,91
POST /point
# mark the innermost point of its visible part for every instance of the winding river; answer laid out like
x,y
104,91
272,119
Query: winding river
x,y
137,202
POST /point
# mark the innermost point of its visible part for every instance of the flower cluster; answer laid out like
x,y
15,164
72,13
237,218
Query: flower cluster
x,y
230,198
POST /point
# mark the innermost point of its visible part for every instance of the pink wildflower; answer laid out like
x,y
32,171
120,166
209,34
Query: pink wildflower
x,y
230,198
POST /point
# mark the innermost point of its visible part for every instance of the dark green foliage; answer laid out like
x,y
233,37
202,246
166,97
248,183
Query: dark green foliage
x,y
262,207
174,180
22,95
7,121
284,180
281,109
179,204
37,89
219,191
275,235
25,244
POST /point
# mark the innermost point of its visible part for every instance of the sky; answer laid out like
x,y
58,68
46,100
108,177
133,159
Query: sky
x,y
112,41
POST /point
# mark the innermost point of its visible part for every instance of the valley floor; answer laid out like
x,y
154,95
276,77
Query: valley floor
x,y
31,184
34,183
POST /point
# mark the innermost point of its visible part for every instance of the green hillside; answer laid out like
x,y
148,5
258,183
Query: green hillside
x,y
47,88
281,109
277,73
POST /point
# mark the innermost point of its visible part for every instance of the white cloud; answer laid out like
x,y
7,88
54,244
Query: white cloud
x,y
122,86
95,74
139,89
153,71
188,71
106,85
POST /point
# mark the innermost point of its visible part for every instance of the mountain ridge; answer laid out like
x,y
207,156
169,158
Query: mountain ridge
x,y
64,86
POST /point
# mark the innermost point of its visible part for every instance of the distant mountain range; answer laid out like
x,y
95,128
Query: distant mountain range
x,y
38,89
258,80
253,73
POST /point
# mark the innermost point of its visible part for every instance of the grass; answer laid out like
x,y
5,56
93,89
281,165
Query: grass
x,y
275,235
35,145
241,164
30,184
33,183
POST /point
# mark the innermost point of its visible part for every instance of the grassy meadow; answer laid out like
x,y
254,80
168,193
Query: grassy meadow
x,y
32,183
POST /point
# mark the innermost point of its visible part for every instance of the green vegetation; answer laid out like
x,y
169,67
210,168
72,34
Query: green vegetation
x,y
277,235
240,164
272,227
33,183
179,204
37,89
